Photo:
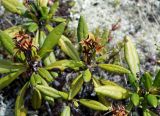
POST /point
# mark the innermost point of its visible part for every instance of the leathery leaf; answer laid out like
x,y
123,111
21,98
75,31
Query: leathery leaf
x,y
135,99
13,6
112,91
114,68
51,92
87,75
63,64
95,105
101,97
156,82
36,100
51,40
75,86
66,111
68,48
131,56
5,81
147,80
20,110
7,42
82,30
152,100
7,66
45,74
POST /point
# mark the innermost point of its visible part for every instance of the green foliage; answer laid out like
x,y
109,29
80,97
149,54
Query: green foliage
x,y
157,80
19,108
131,56
82,30
135,99
13,6
51,40
87,75
7,42
93,104
45,74
75,87
112,91
36,99
114,68
5,81
33,61
63,64
68,48
66,111
145,89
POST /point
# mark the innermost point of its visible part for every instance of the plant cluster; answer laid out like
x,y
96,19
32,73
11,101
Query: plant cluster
x,y
31,58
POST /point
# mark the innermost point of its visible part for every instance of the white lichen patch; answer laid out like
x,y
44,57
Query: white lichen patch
x,y
6,107
139,19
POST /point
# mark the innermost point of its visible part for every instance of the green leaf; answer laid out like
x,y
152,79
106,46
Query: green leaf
x,y
87,75
68,48
32,27
114,68
147,80
49,27
48,91
42,38
14,6
44,12
51,40
82,30
20,110
43,3
152,100
58,20
32,80
115,92
95,105
64,95
101,97
5,81
36,100
45,74
63,64
107,82
135,99
75,103
12,31
44,82
8,66
51,92
148,112
156,82
131,56
48,60
35,40
66,111
133,81
96,82
54,8
75,87
7,42
49,99
35,79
